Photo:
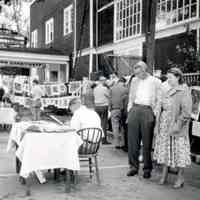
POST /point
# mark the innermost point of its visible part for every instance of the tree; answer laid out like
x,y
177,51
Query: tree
x,y
13,15
188,54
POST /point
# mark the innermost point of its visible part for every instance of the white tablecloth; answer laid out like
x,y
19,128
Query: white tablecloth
x,y
16,134
39,151
7,115
18,129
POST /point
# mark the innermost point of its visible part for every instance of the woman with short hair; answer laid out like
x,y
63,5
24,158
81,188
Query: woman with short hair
x,y
172,148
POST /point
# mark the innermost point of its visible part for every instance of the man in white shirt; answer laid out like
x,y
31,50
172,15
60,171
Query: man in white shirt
x,y
143,107
83,117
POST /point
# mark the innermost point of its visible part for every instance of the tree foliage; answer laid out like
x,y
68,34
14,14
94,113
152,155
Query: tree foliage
x,y
14,16
190,56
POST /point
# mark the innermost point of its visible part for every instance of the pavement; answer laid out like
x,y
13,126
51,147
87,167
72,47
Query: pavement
x,y
114,182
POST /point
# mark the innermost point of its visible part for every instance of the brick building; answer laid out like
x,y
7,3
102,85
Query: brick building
x,y
108,35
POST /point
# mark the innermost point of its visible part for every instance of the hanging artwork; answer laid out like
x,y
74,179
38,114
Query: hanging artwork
x,y
195,91
18,88
48,90
55,90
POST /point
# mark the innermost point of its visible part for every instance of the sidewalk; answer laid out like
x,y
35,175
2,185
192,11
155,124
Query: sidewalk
x,y
115,185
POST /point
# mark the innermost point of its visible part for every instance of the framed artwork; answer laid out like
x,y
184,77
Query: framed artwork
x,y
18,87
55,90
48,90
195,92
74,86
62,89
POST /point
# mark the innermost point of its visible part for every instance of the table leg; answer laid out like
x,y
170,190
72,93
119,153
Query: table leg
x,y
75,177
28,186
68,181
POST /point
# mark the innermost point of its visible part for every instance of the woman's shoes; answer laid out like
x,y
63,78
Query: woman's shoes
x,y
178,184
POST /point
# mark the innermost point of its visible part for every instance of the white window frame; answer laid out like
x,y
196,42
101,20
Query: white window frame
x,y
171,23
130,30
34,38
67,22
49,31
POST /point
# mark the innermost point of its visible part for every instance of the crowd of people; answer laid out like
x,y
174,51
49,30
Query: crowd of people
x,y
147,113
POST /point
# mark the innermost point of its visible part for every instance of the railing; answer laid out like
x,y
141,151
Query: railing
x,y
192,79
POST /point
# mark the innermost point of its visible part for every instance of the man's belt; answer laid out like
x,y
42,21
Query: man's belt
x,y
115,108
140,105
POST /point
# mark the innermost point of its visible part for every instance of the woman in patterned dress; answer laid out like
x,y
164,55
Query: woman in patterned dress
x,y
172,148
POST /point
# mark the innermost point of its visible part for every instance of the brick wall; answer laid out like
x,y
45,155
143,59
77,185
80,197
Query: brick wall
x,y
40,13
83,28
82,68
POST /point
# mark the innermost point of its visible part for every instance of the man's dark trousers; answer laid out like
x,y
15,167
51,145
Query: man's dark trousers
x,y
103,114
140,128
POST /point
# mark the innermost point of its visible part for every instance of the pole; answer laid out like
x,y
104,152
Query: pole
x,y
150,33
96,42
91,38
74,57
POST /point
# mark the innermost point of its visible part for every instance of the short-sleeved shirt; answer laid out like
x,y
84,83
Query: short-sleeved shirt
x,y
84,117
101,95
36,92
119,94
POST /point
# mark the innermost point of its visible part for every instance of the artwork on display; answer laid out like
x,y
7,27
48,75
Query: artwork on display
x,y
74,86
62,89
55,90
196,128
48,90
18,87
195,91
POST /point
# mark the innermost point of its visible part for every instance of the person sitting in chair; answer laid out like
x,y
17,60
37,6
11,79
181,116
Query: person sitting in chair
x,y
83,117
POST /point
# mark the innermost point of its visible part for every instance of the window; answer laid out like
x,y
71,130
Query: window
x,y
49,31
67,20
34,38
174,11
53,76
128,18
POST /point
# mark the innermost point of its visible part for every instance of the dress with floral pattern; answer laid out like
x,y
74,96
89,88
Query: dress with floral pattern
x,y
169,150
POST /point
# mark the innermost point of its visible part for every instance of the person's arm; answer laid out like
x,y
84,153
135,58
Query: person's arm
x,y
75,122
185,115
130,96
158,98
107,93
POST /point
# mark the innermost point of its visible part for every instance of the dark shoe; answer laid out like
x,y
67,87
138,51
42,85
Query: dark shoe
x,y
147,175
132,172
63,172
124,148
117,147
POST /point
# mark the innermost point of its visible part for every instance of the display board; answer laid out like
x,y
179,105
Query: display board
x,y
195,91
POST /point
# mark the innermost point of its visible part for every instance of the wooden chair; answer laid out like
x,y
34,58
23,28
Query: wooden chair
x,y
88,151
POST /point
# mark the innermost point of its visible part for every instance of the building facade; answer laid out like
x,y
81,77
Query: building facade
x,y
109,35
